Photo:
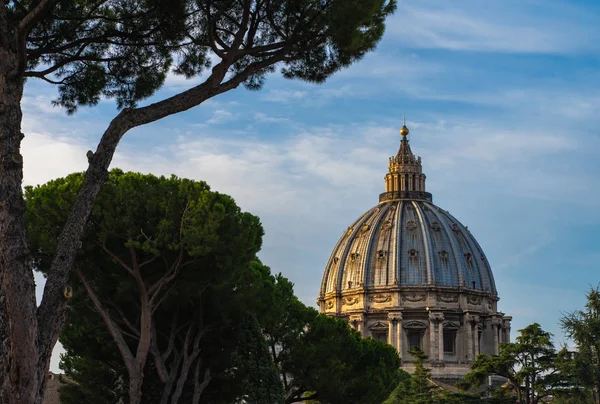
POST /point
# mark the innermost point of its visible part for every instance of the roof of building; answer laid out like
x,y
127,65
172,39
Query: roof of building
x,y
406,240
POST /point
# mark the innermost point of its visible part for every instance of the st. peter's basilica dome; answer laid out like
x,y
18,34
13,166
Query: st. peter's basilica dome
x,y
409,273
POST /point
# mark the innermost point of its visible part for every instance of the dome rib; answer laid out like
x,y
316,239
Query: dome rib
x,y
396,269
327,276
452,243
374,225
426,244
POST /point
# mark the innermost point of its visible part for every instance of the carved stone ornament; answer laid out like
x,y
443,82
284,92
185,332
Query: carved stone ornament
x,y
436,316
357,318
415,324
414,297
336,260
472,318
379,326
365,227
443,254
435,226
381,254
350,301
394,316
474,299
354,256
380,298
411,225
387,225
450,326
455,227
330,305
448,298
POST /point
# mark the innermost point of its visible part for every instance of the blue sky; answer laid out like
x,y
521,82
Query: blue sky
x,y
503,103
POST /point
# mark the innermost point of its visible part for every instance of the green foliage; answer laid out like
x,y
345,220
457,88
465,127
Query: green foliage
x,y
528,364
123,49
156,222
420,379
583,326
254,368
332,361
88,380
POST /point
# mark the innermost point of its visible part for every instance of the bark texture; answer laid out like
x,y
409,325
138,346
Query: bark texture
x,y
18,288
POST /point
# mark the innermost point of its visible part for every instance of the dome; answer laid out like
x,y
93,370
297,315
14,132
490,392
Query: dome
x,y
407,243
409,273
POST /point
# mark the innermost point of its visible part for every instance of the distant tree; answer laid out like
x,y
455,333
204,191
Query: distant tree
x,y
254,368
163,265
528,364
570,376
124,49
333,364
583,326
89,381
420,378
419,388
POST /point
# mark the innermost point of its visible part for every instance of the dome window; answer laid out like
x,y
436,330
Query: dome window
x,y
381,254
468,259
411,225
335,260
455,227
444,254
354,256
435,226
387,224
412,253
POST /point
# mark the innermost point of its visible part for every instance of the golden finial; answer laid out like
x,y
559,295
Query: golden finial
x,y
404,130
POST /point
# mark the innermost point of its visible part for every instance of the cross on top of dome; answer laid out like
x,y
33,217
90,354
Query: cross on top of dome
x,y
404,130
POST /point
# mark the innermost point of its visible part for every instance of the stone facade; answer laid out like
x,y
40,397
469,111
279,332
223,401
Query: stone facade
x,y
407,272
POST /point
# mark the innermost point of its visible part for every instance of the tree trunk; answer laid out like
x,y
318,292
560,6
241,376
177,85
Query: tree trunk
x,y
18,363
136,379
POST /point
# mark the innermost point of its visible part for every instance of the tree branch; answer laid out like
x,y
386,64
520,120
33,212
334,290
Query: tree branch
x,y
199,387
116,258
35,15
113,329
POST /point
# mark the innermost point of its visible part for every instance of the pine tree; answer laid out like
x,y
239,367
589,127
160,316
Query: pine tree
x,y
258,378
584,328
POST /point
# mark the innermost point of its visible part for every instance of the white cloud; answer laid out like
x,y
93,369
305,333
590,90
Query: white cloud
x,y
220,116
507,26
46,158
284,96
262,117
